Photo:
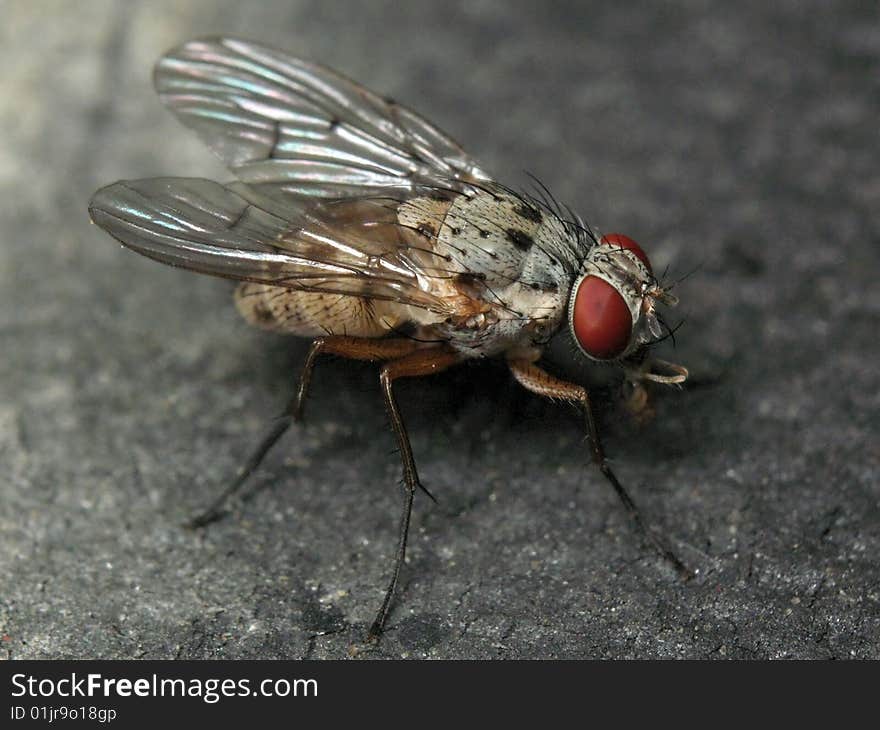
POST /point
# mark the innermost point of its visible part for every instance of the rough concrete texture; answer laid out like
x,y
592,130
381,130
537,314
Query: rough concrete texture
x,y
737,138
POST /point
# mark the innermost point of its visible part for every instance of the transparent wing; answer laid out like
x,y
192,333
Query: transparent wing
x,y
284,125
351,247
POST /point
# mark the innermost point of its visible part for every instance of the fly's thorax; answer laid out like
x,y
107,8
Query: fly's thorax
x,y
545,308
493,234
505,263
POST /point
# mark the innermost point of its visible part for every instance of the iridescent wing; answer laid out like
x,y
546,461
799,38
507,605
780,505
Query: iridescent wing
x,y
291,126
349,246
324,165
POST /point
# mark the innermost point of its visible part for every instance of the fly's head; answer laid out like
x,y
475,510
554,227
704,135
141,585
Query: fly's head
x,y
611,309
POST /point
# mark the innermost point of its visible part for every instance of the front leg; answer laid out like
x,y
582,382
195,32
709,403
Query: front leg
x,y
533,378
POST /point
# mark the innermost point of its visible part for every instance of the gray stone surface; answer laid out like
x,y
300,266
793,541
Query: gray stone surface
x,y
737,137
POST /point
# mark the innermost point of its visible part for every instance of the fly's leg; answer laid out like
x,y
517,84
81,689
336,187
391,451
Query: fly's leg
x,y
355,348
533,378
421,362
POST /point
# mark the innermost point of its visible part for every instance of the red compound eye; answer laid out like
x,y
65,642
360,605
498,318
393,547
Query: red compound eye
x,y
601,319
620,241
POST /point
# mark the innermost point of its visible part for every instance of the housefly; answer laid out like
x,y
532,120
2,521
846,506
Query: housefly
x,y
360,225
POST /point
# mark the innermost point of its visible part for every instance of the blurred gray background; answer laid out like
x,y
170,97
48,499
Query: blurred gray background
x,y
739,139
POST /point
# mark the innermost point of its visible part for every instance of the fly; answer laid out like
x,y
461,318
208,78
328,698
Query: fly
x,y
358,224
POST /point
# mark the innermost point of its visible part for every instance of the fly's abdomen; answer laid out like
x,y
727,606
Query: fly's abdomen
x,y
309,314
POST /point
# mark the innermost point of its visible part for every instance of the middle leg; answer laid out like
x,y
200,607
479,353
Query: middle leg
x,y
421,362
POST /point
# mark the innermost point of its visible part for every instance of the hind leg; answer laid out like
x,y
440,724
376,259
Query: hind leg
x,y
355,348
